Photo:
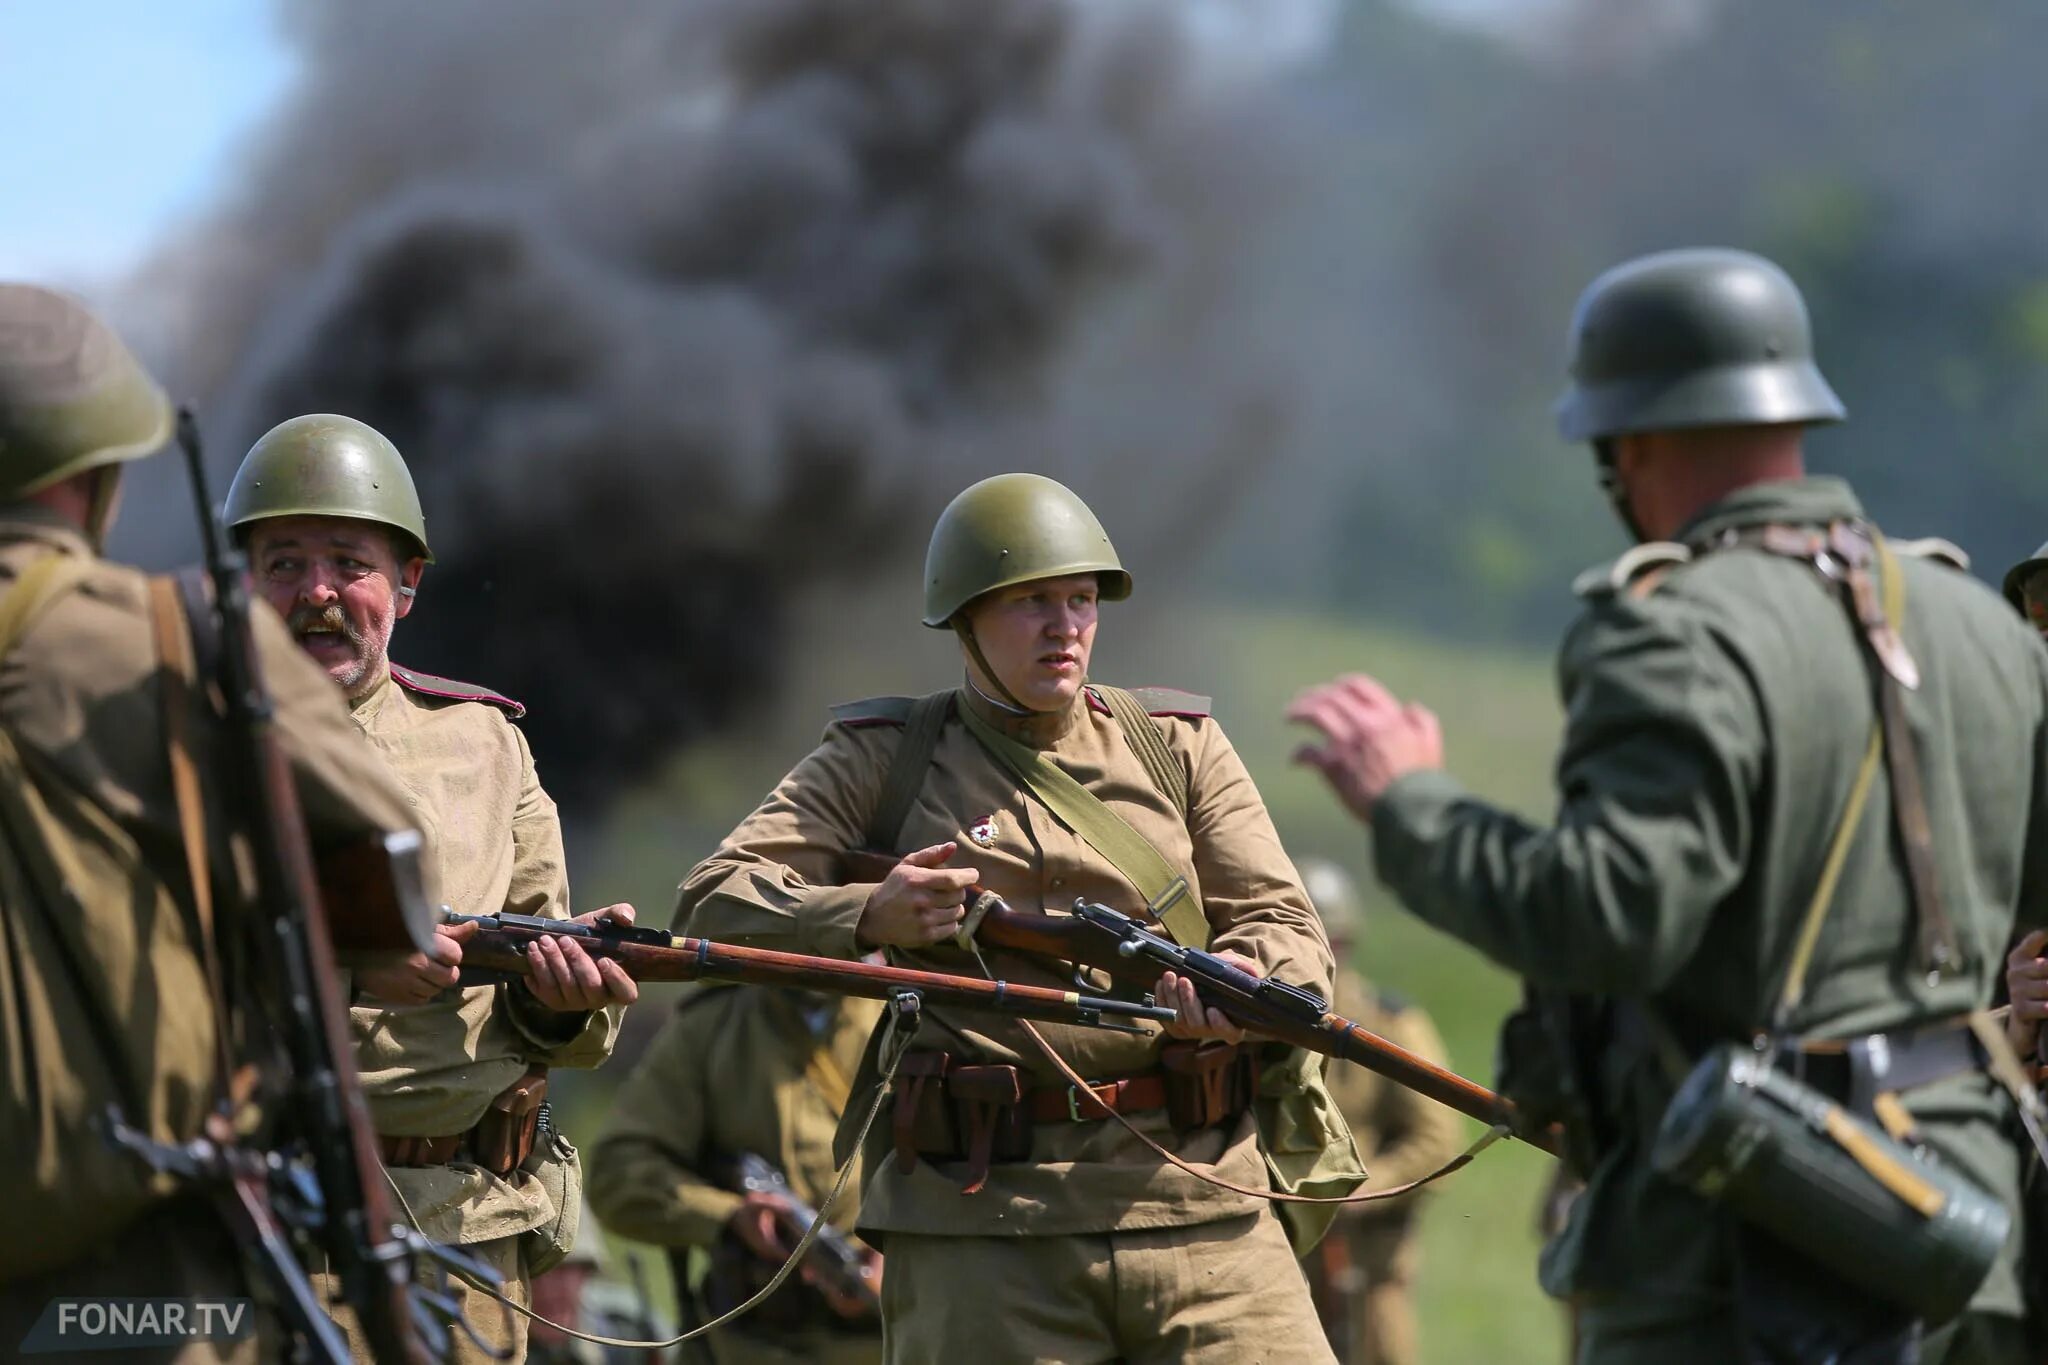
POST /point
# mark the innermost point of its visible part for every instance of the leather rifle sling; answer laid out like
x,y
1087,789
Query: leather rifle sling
x,y
178,681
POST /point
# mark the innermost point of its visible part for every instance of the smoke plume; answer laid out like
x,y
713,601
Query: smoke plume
x,y
677,309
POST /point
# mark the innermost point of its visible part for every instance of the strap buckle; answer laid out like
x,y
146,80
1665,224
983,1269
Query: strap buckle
x,y
1074,1102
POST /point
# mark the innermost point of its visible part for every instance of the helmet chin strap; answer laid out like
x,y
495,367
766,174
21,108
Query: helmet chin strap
x,y
1605,455
99,515
1007,699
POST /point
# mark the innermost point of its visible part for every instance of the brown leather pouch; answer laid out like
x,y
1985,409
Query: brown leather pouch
x,y
1207,1082
988,1105
922,1121
503,1137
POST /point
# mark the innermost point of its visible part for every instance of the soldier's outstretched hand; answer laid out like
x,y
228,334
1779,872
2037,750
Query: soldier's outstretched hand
x,y
919,903
1369,739
567,978
2026,981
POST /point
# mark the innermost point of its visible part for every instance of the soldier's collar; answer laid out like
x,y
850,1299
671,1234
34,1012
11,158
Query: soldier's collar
x,y
372,701
1039,729
1815,500
33,521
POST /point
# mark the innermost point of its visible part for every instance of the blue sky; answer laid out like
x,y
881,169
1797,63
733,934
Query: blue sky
x,y
122,116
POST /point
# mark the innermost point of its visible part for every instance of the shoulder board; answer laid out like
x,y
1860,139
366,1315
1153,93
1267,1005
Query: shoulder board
x,y
873,711
427,685
1604,580
1934,547
1160,701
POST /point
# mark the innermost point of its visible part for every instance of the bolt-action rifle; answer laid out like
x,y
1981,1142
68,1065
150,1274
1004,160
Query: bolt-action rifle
x,y
319,1182
498,952
1096,936
844,1276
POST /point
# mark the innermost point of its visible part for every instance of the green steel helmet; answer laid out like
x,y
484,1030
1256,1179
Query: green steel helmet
x,y
322,465
1704,337
2016,577
1012,529
1334,894
72,397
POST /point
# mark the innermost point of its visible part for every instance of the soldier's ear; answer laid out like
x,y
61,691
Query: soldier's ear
x,y
409,583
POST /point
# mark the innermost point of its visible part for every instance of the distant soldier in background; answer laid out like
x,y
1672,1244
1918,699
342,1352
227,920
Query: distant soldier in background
x,y
106,996
455,1077
743,1070
582,1294
2026,587
1363,1274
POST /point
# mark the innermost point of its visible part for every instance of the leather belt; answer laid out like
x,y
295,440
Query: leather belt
x,y
1072,1104
419,1151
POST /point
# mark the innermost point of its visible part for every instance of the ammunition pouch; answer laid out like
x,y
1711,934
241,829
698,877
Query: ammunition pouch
x,y
981,1115
1208,1082
1788,1160
504,1137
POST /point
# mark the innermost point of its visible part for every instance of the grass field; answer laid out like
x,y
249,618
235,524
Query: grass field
x,y
1478,1296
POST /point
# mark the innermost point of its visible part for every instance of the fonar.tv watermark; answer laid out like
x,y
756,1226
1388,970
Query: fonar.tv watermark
x,y
122,1324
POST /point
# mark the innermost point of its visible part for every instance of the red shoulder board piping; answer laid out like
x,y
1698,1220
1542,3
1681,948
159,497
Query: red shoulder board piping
x,y
427,685
1171,701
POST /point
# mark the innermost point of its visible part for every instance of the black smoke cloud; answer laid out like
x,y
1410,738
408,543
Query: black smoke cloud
x,y
676,310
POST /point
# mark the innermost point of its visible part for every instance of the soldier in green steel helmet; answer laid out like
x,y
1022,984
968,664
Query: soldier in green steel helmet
x,y
69,421
328,497
1068,1232
1722,687
2026,587
337,543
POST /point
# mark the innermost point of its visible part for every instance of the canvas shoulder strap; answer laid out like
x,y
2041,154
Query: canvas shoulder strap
x,y
1166,892
1142,733
921,729
46,580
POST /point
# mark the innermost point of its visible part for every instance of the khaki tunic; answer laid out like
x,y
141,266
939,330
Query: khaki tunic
x,y
775,880
431,1070
736,1069
99,972
1403,1137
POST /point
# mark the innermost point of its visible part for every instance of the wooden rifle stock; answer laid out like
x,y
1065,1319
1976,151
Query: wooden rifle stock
x,y
1281,1016
499,950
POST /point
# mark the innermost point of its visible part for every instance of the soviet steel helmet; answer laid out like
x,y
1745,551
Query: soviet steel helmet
x,y
72,397
2016,577
323,465
1703,337
1334,894
1012,529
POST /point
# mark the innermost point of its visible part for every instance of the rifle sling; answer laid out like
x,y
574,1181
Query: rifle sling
x,y
1109,834
178,684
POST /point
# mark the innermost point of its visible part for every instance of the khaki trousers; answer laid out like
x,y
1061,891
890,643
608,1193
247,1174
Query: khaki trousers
x,y
499,1326
1218,1291
1382,1312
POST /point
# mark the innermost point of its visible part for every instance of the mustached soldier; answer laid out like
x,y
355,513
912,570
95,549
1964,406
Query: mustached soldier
x,y
742,1070
454,1076
104,987
1803,798
1020,1221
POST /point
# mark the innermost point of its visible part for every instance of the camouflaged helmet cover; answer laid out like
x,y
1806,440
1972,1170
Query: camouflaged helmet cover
x,y
1703,337
72,396
324,465
1011,529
